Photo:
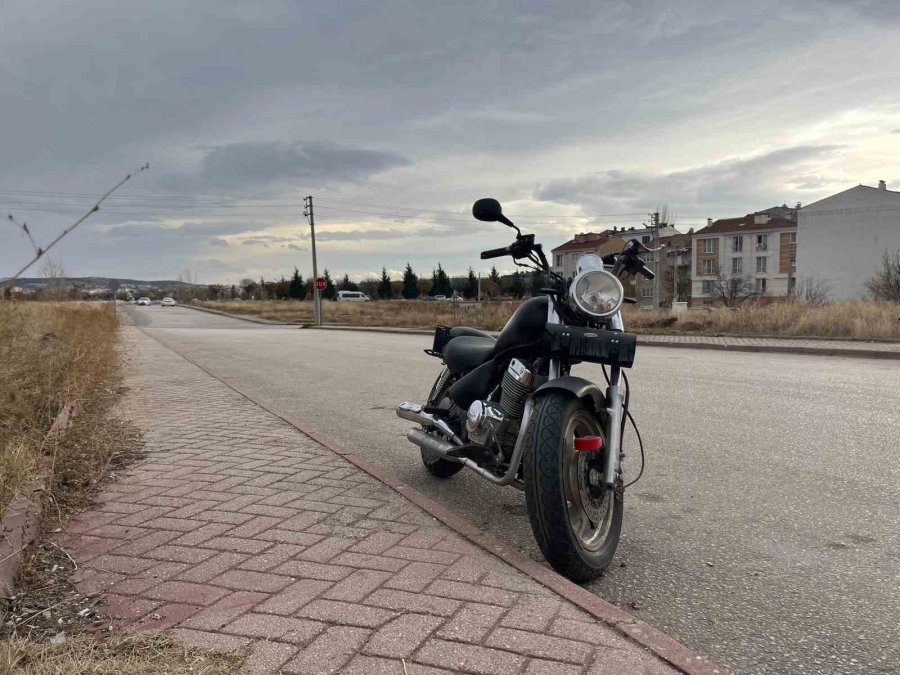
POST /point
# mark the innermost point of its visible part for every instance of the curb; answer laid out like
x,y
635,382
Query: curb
x,y
20,522
18,529
242,317
660,644
674,344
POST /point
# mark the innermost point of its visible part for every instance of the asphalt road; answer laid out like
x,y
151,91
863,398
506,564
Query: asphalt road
x,y
765,532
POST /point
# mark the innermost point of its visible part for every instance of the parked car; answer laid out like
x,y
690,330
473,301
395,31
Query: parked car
x,y
168,302
144,301
439,297
351,296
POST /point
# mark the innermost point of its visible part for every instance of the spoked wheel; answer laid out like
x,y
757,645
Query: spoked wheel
x,y
438,466
576,525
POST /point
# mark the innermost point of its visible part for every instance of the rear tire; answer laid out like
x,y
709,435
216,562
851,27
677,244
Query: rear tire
x,y
438,466
561,506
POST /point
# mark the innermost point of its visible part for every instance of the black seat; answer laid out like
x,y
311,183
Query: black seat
x,y
467,351
459,331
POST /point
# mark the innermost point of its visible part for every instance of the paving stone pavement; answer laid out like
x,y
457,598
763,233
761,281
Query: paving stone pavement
x,y
237,530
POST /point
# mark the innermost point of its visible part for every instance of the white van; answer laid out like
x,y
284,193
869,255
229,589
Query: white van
x,y
351,296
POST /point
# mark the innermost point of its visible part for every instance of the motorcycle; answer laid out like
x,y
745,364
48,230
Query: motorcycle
x,y
509,408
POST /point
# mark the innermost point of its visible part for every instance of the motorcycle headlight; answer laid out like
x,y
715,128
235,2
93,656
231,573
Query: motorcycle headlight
x,y
596,292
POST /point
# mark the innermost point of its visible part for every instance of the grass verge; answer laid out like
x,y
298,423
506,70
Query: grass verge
x,y
52,354
860,320
137,654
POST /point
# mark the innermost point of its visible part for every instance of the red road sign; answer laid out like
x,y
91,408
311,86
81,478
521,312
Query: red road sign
x,y
320,283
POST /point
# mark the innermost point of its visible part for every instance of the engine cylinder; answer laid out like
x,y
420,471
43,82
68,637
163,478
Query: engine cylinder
x,y
515,388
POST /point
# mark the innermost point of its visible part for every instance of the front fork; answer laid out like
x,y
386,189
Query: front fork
x,y
615,406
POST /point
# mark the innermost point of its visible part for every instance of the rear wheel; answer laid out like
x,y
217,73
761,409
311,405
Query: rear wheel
x,y
576,525
438,466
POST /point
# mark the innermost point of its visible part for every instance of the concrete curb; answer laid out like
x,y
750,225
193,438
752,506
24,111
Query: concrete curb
x,y
657,642
677,344
20,521
242,317
18,529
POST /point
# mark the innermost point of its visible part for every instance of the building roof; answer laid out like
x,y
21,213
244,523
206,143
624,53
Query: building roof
x,y
583,242
869,193
745,224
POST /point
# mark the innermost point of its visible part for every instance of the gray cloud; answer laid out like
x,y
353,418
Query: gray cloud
x,y
714,186
218,241
239,166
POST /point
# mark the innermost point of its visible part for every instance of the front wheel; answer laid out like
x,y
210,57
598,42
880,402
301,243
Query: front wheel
x,y
576,525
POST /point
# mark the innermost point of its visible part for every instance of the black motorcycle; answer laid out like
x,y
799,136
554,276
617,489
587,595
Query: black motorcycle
x,y
509,409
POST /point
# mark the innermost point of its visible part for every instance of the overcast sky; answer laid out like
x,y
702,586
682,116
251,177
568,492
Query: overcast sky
x,y
396,116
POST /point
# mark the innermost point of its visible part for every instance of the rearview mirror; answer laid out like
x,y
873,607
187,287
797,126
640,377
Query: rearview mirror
x,y
490,211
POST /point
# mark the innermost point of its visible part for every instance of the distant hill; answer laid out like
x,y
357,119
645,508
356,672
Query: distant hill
x,y
105,282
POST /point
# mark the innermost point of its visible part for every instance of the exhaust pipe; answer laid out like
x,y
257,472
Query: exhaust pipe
x,y
428,442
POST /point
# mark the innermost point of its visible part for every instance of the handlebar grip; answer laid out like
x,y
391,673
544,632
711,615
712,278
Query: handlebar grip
x,y
495,253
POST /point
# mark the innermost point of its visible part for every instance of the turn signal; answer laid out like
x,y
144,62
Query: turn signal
x,y
588,443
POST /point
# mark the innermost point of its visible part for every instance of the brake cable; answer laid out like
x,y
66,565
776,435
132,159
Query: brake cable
x,y
630,417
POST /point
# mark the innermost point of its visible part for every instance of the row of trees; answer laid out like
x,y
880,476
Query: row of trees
x,y
410,286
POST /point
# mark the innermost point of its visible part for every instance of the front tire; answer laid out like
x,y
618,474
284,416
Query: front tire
x,y
577,527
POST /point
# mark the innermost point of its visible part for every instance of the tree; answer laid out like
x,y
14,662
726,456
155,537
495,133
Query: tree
x,y
517,287
471,289
811,291
55,275
885,285
495,275
347,285
410,283
215,292
249,287
369,287
296,288
330,291
440,282
385,291
538,281
733,290
683,284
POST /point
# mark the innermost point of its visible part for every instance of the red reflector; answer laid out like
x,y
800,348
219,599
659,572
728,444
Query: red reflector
x,y
588,443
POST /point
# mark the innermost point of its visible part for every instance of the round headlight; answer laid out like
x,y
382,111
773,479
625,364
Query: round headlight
x,y
596,292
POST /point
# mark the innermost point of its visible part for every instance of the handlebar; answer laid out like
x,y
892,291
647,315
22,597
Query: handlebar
x,y
495,253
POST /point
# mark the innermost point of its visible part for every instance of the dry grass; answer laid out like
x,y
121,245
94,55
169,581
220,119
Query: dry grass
x,y
139,654
50,354
851,320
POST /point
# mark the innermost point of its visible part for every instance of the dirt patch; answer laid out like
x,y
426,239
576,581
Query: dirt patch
x,y
139,654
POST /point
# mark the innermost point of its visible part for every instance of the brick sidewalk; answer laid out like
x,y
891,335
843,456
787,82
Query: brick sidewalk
x,y
239,531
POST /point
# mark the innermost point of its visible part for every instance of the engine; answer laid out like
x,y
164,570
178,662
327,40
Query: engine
x,y
491,423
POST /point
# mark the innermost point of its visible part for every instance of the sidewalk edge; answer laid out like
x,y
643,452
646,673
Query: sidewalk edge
x,y
657,642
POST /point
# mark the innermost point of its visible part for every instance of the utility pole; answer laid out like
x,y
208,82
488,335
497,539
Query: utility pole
x,y
479,287
317,298
654,219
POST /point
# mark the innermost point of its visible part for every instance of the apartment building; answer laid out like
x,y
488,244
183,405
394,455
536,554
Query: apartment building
x,y
565,256
844,236
759,250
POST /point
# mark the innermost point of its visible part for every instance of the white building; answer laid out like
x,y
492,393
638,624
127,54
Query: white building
x,y
842,238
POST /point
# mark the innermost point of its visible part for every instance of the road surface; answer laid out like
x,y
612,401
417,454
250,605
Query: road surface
x,y
764,532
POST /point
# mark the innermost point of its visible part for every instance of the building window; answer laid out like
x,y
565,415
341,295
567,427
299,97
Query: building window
x,y
761,264
737,244
761,286
792,238
645,238
762,242
559,259
647,292
709,267
709,288
709,245
737,265
793,261
575,257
